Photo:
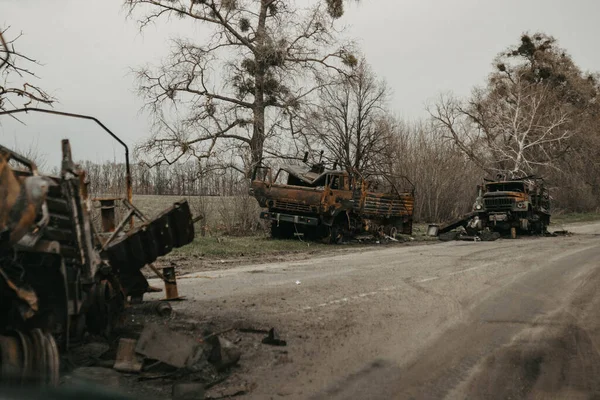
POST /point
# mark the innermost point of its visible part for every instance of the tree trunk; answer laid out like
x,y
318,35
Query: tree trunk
x,y
258,133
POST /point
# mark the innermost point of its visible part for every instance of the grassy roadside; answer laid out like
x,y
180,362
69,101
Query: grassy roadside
x,y
262,246
219,247
571,218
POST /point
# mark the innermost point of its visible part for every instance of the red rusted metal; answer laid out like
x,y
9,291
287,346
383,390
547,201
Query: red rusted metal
x,y
171,292
108,214
332,203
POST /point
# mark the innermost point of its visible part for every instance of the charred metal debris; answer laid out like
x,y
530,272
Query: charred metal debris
x,y
61,277
332,205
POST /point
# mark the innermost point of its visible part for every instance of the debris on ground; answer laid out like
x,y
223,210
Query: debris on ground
x,y
170,347
483,236
127,360
273,339
223,354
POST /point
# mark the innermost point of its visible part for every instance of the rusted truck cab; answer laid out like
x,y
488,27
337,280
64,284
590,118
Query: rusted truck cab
x,y
328,204
513,205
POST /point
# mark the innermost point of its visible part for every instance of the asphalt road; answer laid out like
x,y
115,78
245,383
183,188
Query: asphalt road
x,y
504,319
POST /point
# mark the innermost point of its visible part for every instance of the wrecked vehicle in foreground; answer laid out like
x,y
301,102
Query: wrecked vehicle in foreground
x,y
330,204
60,277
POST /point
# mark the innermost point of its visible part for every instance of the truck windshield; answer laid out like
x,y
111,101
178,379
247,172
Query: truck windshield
x,y
506,187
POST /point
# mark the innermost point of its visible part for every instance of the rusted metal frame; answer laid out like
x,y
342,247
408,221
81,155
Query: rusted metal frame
x,y
133,210
79,208
269,173
107,214
117,230
87,117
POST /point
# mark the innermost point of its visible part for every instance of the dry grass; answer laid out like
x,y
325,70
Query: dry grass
x,y
245,246
569,218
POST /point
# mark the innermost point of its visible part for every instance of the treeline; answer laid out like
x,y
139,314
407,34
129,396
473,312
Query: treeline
x,y
181,179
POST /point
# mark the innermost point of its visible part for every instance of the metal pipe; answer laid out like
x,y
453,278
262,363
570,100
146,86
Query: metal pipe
x,y
81,116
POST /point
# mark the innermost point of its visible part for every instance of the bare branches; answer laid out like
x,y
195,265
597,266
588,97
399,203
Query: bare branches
x,y
514,130
349,121
9,69
242,86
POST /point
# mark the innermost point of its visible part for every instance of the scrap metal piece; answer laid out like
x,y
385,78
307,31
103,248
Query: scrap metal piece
x,y
161,343
127,360
25,294
432,230
463,220
107,213
224,354
143,245
171,284
273,339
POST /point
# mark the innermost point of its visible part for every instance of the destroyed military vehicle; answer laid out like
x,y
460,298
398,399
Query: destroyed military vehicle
x,y
330,204
511,205
59,276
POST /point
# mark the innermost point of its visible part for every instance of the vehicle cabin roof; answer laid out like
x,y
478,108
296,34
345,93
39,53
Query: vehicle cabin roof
x,y
309,177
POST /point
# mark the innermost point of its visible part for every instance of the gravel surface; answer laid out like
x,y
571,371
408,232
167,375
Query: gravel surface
x,y
503,319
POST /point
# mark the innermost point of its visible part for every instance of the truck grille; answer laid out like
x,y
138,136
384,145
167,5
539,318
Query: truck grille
x,y
499,203
291,206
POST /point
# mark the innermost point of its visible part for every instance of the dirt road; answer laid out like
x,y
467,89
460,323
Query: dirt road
x,y
504,319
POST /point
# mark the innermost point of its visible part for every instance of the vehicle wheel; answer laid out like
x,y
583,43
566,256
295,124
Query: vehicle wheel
x,y
334,235
393,232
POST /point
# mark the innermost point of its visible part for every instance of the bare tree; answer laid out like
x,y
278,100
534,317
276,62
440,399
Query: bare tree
x,y
349,119
445,179
14,83
239,88
515,134
521,122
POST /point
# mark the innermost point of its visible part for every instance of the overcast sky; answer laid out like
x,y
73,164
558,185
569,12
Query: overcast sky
x,y
420,47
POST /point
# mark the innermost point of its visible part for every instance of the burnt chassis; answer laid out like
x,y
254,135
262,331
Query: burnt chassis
x,y
343,206
63,278
525,209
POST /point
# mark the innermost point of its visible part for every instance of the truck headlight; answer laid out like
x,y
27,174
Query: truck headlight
x,y
521,205
478,207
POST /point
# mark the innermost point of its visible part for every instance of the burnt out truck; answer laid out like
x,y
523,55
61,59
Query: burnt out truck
x,y
330,204
60,276
512,205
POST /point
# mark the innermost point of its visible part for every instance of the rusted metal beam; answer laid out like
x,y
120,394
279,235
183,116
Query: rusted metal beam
x,y
107,213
